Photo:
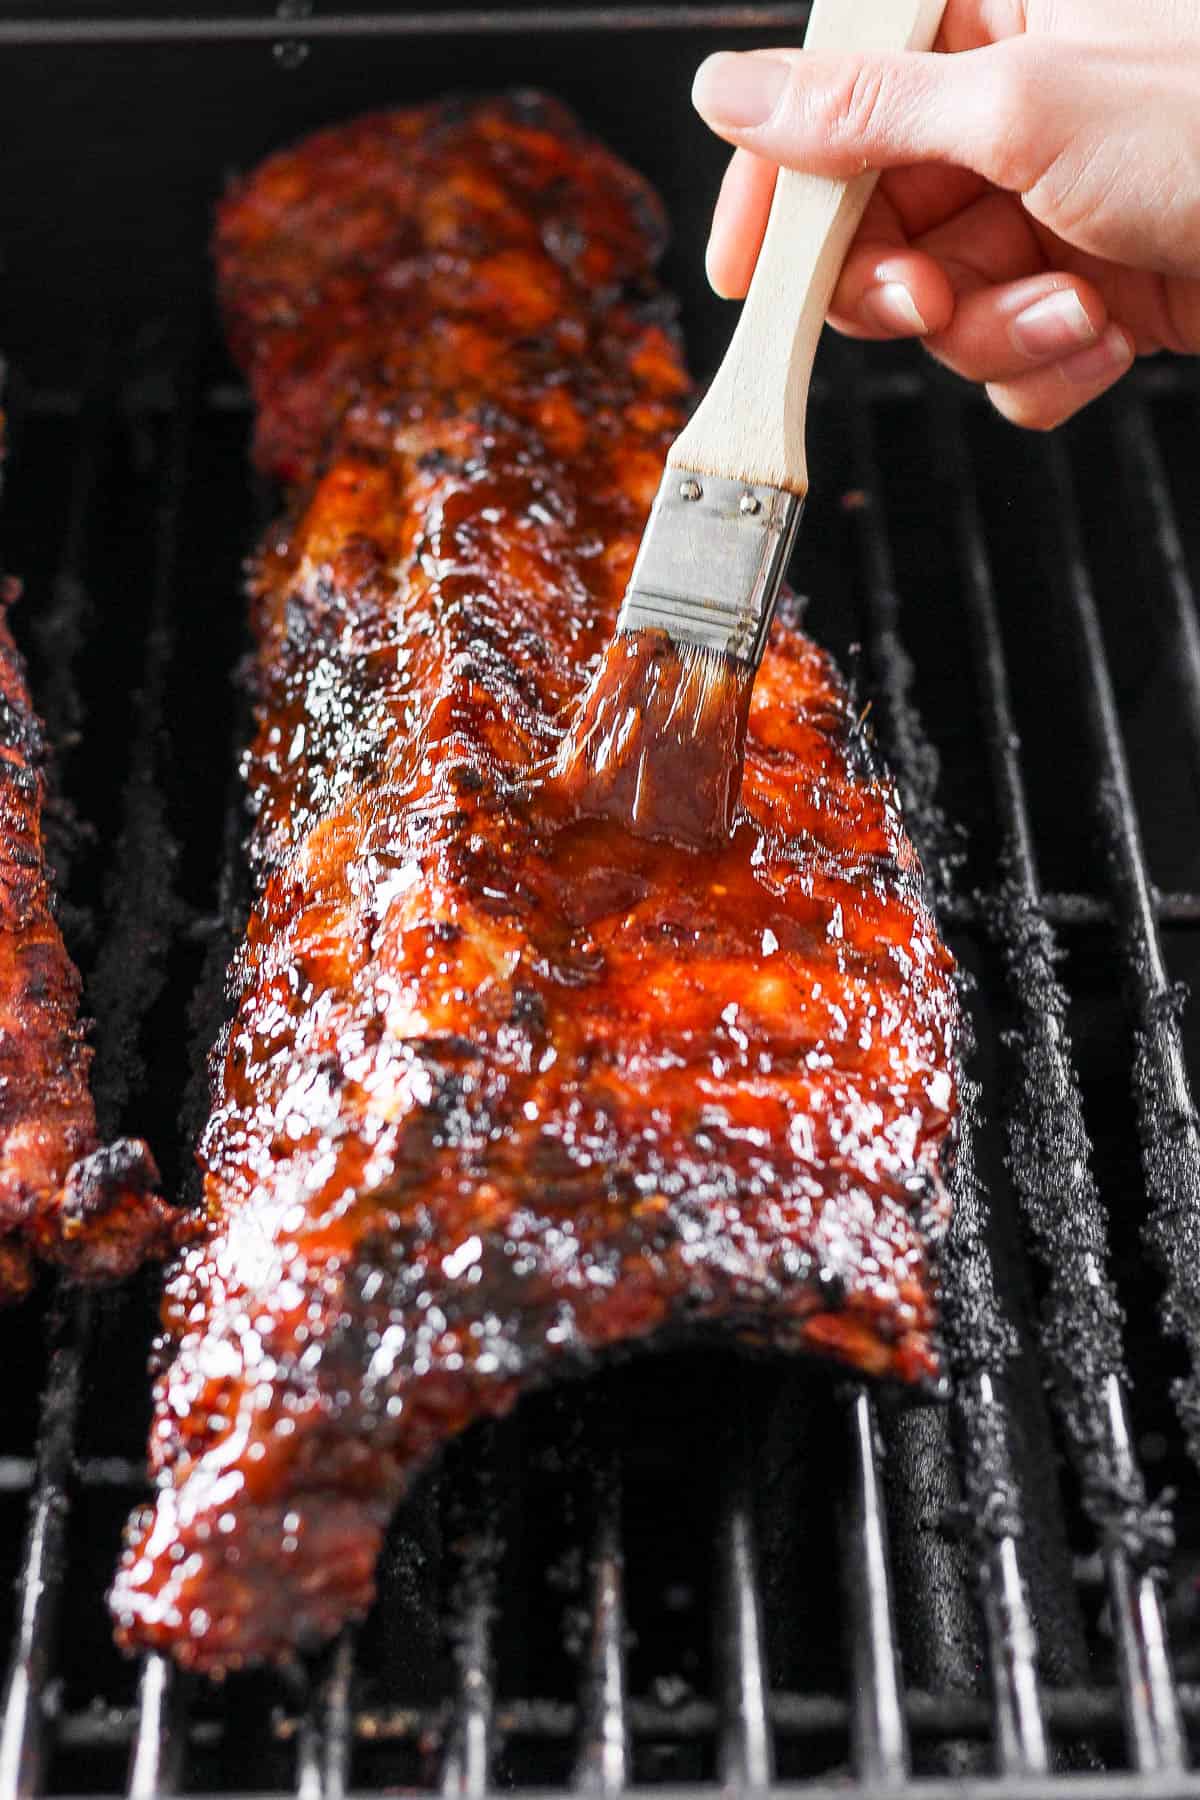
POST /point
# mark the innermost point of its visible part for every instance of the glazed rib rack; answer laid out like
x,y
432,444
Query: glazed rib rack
x,y
698,1568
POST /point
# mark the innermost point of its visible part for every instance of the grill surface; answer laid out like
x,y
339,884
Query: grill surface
x,y
699,1568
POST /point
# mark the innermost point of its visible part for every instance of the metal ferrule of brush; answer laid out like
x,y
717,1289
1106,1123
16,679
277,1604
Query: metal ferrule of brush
x,y
711,562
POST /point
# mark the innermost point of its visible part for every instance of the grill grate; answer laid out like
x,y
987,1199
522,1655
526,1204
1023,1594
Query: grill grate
x,y
1002,1578
292,24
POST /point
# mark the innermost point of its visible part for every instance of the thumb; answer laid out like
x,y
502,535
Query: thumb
x,y
839,115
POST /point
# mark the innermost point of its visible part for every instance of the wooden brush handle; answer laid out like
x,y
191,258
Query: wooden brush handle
x,y
750,424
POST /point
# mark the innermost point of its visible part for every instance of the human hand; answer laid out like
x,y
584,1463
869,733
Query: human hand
x,y
1037,221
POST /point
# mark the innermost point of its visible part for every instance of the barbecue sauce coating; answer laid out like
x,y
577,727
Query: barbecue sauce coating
x,y
90,1211
657,740
503,1088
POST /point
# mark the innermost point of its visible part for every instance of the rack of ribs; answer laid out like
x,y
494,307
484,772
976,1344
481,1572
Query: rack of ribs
x,y
89,1210
503,1090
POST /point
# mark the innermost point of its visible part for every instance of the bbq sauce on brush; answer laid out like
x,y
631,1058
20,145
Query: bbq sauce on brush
x,y
659,740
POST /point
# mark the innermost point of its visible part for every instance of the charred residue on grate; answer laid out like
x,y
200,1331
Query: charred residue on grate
x,y
1132,1055
981,1337
99,526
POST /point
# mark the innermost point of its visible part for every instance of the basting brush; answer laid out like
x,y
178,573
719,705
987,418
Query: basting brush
x,y
659,739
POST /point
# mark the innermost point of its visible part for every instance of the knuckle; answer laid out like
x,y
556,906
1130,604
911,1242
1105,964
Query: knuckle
x,y
1015,115
1073,192
853,108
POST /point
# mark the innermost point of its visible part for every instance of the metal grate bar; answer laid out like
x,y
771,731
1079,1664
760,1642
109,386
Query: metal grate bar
x,y
157,1754
880,1739
1067,1786
745,1757
309,1780
325,1741
1140,454
19,1473
278,27
1166,1111
470,1745
1080,1335
1072,1712
1089,909
469,1755
1066,911
978,1336
944,1650
1147,1684
876,383
339,1715
22,1730
603,1760
1020,1730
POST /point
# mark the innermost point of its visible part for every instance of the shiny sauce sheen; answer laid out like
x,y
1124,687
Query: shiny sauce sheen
x,y
505,1085
658,740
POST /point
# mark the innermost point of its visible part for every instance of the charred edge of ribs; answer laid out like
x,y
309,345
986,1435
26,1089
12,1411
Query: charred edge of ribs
x,y
502,1094
91,1212
304,1565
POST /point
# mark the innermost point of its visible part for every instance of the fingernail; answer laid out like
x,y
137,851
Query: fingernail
x,y
738,90
892,308
1052,327
1113,353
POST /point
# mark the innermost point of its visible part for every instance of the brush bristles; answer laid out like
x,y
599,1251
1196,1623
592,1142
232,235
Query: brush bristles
x,y
659,739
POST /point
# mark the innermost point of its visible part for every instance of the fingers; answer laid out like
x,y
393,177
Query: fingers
x,y
739,220
1095,135
1043,347
889,291
886,289
1042,344
1048,397
973,285
1002,333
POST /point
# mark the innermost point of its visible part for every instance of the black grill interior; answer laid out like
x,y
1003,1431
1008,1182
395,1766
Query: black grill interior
x,y
704,1567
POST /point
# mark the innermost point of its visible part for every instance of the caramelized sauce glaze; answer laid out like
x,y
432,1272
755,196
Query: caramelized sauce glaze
x,y
657,741
502,1086
87,1210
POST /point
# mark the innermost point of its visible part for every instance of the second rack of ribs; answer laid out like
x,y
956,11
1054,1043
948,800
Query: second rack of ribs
x,y
501,1090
